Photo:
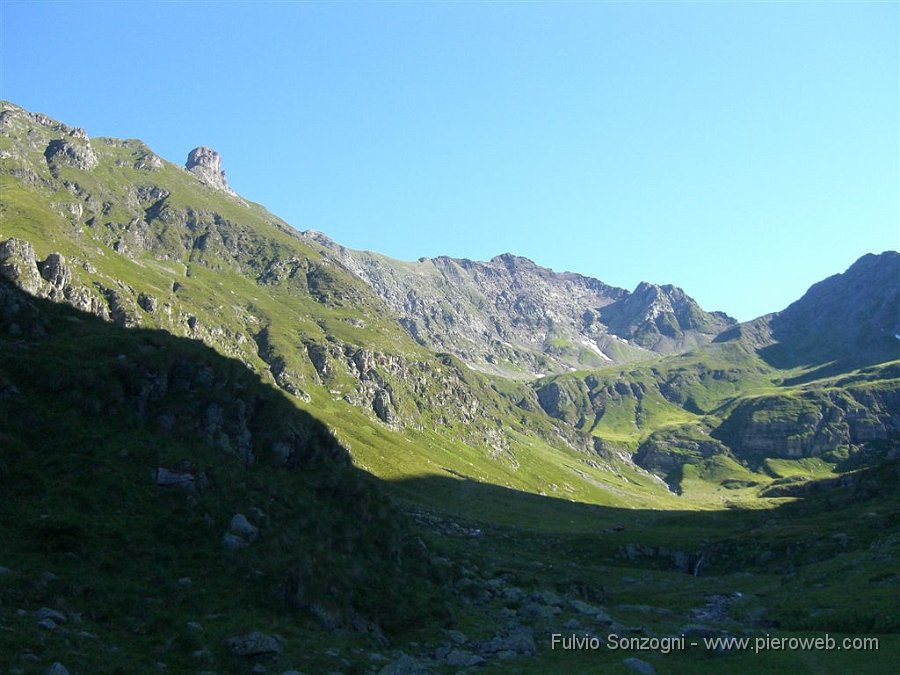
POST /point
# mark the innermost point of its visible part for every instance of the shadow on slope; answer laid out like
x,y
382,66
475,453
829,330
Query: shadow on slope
x,y
515,524
125,457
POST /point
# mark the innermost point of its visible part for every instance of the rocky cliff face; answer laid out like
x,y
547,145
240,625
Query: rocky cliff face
x,y
206,164
663,319
829,424
512,317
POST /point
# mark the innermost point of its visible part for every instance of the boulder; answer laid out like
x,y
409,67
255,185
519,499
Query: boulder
x,y
241,527
45,613
253,643
166,478
460,658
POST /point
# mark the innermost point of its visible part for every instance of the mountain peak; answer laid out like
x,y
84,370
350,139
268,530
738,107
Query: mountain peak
x,y
206,164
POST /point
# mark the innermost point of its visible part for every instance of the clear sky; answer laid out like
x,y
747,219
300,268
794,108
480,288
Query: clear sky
x,y
739,150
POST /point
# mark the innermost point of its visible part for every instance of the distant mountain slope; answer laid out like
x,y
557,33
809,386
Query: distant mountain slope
x,y
847,320
513,317
816,382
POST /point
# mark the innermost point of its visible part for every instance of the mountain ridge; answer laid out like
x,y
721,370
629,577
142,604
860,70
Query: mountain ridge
x,y
513,317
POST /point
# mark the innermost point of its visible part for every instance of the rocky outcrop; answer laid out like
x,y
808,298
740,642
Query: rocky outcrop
x,y
75,152
666,452
827,424
206,165
663,319
18,263
50,278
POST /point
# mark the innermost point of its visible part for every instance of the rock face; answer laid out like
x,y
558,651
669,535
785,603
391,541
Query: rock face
x,y
662,319
513,317
75,152
206,164
815,424
51,278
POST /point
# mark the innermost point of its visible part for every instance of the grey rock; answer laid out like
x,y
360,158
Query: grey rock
x,y
76,153
55,271
253,643
457,637
47,624
232,542
57,669
241,532
166,478
547,598
241,527
5,570
381,404
537,611
405,665
513,594
646,609
463,659
639,666
148,303
19,264
206,165
519,642
597,614
51,614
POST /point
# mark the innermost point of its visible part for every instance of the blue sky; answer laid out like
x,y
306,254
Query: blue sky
x,y
739,150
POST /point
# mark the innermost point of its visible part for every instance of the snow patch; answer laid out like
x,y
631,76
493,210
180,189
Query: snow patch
x,y
593,347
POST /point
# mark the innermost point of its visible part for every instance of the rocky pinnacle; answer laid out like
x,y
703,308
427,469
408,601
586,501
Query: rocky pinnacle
x,y
206,164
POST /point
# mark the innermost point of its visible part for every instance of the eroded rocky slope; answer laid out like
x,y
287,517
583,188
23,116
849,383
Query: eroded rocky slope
x,y
515,318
